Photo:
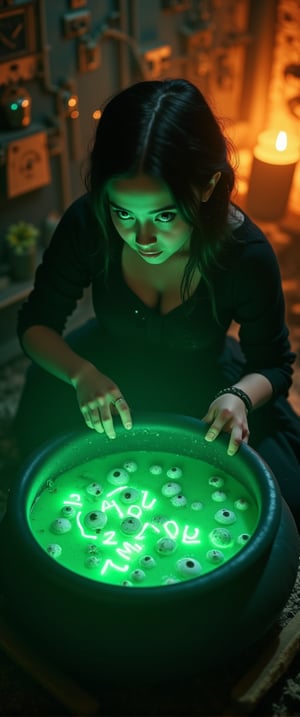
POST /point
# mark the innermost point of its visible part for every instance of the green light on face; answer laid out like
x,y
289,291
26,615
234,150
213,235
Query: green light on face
x,y
150,530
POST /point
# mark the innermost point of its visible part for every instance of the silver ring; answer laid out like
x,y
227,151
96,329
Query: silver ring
x,y
118,399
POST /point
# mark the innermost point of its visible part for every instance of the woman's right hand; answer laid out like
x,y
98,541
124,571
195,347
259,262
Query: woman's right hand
x,y
99,398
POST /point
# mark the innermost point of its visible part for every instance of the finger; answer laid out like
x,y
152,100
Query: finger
x,y
238,436
124,412
107,422
212,433
92,418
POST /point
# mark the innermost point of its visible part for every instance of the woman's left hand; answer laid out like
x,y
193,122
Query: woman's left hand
x,y
228,413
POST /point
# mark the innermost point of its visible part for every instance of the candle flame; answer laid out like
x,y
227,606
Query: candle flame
x,y
281,141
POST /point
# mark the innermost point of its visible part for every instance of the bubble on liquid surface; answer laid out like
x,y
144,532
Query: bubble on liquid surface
x,y
225,516
197,505
174,472
129,495
61,525
131,525
170,489
118,476
94,489
188,567
95,519
165,546
216,481
220,537
54,550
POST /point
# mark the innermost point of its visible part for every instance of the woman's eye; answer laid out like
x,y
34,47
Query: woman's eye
x,y
166,217
122,214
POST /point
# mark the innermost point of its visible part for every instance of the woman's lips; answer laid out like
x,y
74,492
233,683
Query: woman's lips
x,y
149,253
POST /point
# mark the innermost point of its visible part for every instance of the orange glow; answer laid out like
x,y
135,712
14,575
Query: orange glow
x,y
281,141
25,103
277,148
96,114
72,101
74,114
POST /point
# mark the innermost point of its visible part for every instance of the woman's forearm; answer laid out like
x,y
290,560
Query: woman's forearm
x,y
257,387
48,349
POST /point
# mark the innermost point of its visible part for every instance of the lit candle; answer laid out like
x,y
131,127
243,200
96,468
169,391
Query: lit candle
x,y
274,161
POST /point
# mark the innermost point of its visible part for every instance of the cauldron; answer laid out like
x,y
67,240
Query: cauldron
x,y
110,621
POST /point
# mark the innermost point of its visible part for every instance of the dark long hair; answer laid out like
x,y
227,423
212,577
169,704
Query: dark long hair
x,y
166,129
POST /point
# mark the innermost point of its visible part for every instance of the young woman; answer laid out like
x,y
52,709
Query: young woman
x,y
171,262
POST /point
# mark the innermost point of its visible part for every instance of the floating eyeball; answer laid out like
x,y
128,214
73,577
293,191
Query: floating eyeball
x,y
68,511
138,575
129,495
243,538
118,476
95,519
92,561
131,525
92,549
197,505
130,466
220,537
241,504
179,501
156,470
174,472
147,562
219,496
215,556
188,567
170,489
225,516
216,481
61,525
126,584
166,546
94,489
54,550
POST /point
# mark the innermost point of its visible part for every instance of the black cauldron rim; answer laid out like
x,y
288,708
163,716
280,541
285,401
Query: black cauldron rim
x,y
251,552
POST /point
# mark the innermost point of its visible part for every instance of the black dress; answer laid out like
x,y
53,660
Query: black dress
x,y
174,362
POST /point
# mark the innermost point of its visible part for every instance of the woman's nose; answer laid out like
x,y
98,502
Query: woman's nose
x,y
145,236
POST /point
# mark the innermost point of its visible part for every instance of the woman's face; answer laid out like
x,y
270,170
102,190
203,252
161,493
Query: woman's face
x,y
146,217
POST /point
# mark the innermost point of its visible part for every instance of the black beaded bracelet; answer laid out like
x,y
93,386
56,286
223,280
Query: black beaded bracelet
x,y
237,392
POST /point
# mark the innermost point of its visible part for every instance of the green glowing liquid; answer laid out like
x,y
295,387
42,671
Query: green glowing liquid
x,y
143,520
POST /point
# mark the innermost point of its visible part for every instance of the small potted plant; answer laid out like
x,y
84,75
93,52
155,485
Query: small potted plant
x,y
21,240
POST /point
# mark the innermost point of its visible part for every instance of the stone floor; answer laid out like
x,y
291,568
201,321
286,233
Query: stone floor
x,y
20,695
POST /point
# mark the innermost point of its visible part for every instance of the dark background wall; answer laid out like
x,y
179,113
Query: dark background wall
x,y
53,52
